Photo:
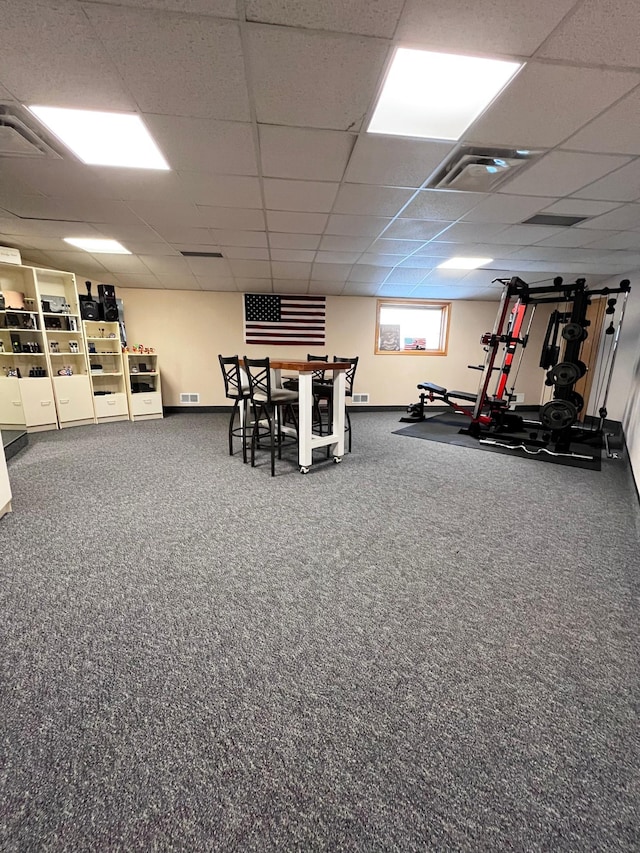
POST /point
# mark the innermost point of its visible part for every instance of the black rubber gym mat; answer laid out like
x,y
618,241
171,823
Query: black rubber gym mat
x,y
446,428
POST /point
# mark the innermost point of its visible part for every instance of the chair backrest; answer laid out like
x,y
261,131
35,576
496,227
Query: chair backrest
x,y
317,375
258,372
350,373
234,387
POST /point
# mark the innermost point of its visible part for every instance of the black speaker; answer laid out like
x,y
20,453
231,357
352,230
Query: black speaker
x,y
108,305
89,310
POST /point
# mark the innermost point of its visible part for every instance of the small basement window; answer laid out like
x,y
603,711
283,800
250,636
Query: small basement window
x,y
412,327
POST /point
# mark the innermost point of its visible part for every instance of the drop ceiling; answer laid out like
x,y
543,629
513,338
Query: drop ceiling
x,y
261,109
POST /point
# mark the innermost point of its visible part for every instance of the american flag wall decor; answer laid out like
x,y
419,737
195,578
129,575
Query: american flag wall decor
x,y
290,320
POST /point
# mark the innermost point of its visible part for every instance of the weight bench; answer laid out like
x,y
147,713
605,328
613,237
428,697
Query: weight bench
x,y
431,391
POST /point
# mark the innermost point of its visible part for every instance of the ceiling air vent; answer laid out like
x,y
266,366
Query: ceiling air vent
x,y
554,219
476,169
19,137
202,254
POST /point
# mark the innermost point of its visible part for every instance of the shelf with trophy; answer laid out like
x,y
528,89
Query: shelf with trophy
x,y
143,383
26,393
64,347
107,371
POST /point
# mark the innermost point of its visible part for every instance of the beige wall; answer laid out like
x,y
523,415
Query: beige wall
x,y
189,329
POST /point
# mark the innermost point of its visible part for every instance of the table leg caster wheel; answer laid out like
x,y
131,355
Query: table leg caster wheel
x,y
337,459
304,469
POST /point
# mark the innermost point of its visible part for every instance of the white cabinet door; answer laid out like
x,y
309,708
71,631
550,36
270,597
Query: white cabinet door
x,y
146,403
111,406
11,410
74,399
37,401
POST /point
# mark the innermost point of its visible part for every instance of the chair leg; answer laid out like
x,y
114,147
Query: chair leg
x,y
231,422
272,432
348,421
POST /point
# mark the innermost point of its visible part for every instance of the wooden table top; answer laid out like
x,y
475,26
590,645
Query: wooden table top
x,y
308,366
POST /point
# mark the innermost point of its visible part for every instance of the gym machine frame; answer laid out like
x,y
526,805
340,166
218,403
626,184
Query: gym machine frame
x,y
490,414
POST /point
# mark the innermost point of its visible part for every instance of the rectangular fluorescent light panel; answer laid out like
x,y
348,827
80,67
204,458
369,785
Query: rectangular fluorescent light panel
x,y
464,263
437,95
104,139
98,246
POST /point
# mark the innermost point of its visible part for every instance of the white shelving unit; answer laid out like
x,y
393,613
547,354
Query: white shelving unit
x,y
64,347
26,390
143,386
106,371
5,486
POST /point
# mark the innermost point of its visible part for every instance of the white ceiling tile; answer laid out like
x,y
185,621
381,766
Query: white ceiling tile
x,y
439,249
251,269
166,266
559,100
309,196
357,16
394,162
220,267
291,269
580,207
77,262
626,218
368,273
304,255
338,243
508,209
179,213
610,29
156,249
118,264
561,173
286,285
245,253
359,289
415,229
218,8
620,240
179,234
161,188
296,223
330,272
571,238
304,153
406,275
522,235
328,288
362,199
387,289
286,65
441,204
466,232
232,219
622,185
40,28
420,262
255,239
386,246
221,190
78,208
133,280
514,28
61,178
178,282
216,284
204,145
176,64
356,226
293,241
614,131
372,259
254,285
337,257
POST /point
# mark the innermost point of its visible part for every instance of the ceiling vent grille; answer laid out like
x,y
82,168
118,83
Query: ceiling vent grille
x,y
475,169
202,254
22,137
554,219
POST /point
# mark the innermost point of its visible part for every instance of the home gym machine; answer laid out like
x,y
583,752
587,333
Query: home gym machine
x,y
492,419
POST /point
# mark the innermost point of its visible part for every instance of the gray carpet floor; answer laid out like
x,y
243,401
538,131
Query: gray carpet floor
x,y
421,649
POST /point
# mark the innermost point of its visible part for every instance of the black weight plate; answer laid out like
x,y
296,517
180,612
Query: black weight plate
x,y
565,373
558,414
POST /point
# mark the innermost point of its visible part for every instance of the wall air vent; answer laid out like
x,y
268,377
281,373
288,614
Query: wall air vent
x,y
554,219
473,168
19,137
187,397
201,254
